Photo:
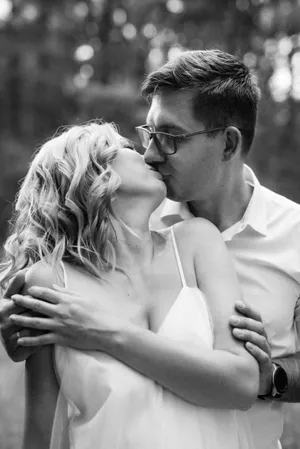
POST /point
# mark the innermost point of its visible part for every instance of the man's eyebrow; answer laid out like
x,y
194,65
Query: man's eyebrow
x,y
168,125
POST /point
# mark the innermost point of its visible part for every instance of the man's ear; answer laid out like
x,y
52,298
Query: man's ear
x,y
233,143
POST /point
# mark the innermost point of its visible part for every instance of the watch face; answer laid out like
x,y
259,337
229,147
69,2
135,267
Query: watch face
x,y
280,380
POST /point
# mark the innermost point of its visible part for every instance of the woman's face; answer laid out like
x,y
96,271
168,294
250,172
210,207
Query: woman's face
x,y
137,178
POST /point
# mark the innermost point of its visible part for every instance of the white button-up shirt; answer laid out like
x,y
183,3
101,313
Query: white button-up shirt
x,y
265,247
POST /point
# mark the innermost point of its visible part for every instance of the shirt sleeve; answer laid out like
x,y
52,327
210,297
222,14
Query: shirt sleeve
x,y
297,310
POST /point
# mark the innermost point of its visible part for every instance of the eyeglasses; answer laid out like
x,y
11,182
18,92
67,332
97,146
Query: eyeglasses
x,y
166,143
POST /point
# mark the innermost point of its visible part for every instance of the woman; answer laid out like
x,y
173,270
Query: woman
x,y
82,221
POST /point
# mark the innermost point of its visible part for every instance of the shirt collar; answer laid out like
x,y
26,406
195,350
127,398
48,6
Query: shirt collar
x,y
254,216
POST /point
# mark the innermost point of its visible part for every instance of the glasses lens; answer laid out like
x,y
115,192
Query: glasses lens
x,y
144,137
163,142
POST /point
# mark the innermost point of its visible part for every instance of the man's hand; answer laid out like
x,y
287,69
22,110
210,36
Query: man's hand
x,y
9,331
250,329
70,319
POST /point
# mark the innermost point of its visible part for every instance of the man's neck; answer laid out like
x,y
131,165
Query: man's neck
x,y
225,209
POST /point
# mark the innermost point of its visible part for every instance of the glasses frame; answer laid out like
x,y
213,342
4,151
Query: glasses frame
x,y
173,137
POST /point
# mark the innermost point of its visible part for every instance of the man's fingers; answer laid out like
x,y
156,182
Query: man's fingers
x,y
21,353
248,311
26,332
42,340
262,358
36,305
247,323
253,338
16,284
46,294
34,323
8,327
7,308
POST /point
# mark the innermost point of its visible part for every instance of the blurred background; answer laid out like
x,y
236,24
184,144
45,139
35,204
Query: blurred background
x,y
67,61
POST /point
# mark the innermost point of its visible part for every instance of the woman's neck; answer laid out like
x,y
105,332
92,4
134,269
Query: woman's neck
x,y
135,244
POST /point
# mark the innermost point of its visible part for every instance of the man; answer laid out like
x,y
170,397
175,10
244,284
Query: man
x,y
200,127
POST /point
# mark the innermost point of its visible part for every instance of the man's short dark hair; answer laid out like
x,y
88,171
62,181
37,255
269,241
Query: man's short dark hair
x,y
226,93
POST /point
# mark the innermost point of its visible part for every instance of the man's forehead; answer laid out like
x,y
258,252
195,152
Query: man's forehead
x,y
168,108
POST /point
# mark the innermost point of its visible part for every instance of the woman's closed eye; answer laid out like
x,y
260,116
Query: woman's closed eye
x,y
131,146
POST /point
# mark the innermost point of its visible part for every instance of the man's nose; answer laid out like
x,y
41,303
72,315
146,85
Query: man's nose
x,y
152,155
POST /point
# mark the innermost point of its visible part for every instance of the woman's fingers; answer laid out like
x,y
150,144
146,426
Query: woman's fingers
x,y
36,305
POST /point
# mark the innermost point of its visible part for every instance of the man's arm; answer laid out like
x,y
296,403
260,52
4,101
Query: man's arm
x,y
250,328
42,393
225,377
291,366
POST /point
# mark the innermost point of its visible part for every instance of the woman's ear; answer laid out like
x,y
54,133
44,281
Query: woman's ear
x,y
233,143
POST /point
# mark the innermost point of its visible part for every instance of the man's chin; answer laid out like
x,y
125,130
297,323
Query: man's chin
x,y
173,195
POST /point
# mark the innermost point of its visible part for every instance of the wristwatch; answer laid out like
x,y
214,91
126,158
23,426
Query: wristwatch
x,y
279,383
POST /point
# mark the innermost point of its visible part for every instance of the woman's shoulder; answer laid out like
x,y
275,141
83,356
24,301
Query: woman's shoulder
x,y
42,274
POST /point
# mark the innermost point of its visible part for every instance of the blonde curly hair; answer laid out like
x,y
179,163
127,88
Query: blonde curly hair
x,y
64,206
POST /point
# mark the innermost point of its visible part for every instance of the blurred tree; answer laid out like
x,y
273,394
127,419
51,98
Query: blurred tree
x,y
72,60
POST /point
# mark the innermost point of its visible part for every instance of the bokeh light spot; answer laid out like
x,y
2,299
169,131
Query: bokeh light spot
x,y
155,58
280,83
174,52
30,12
285,46
175,6
80,82
84,53
129,31
149,30
81,10
5,9
119,17
242,5
86,71
250,59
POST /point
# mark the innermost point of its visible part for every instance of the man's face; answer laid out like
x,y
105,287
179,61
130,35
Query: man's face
x,y
194,172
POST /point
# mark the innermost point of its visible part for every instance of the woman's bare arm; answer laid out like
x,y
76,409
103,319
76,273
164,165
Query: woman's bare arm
x,y
226,377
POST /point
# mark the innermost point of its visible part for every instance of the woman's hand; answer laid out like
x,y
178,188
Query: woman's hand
x,y
70,319
250,329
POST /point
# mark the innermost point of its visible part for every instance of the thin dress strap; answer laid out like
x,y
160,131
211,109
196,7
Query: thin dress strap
x,y
64,274
179,264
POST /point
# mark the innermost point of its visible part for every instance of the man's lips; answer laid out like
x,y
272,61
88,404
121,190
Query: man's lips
x,y
158,171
